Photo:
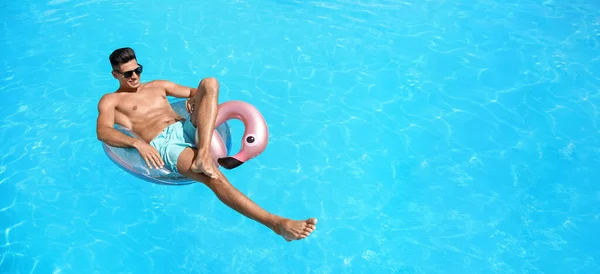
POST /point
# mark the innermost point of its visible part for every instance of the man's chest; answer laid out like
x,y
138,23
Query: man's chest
x,y
141,103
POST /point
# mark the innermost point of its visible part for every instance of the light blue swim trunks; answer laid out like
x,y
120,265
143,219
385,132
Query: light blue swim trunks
x,y
173,140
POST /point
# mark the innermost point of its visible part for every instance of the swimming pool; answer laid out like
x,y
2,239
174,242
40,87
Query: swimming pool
x,y
426,136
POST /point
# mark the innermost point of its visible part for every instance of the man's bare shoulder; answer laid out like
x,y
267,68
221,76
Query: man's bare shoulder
x,y
108,100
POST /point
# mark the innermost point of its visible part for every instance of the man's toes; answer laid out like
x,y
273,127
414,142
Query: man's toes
x,y
312,221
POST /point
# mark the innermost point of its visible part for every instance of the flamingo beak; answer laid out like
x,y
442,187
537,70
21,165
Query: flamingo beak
x,y
229,162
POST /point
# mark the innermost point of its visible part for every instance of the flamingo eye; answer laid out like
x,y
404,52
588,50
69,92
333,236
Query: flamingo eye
x,y
250,140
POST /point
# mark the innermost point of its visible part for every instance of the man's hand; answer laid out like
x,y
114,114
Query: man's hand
x,y
189,105
149,154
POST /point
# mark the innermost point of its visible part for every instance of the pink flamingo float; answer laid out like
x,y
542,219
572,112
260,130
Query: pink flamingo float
x,y
255,137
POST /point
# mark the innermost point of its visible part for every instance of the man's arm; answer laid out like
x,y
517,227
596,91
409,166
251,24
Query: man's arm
x,y
105,123
178,91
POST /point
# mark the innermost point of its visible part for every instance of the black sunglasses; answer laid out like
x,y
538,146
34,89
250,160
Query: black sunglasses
x,y
129,73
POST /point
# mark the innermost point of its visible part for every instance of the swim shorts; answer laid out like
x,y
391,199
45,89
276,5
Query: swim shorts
x,y
173,140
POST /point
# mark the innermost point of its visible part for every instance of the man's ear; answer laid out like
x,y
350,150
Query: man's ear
x,y
114,74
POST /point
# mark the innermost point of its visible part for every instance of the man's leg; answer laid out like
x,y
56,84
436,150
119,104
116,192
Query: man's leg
x,y
203,117
232,197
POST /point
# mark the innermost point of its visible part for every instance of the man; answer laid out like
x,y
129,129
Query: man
x,y
167,138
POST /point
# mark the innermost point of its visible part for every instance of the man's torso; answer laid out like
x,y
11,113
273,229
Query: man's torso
x,y
146,112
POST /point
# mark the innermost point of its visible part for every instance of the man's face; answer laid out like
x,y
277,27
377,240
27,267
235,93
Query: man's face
x,y
128,74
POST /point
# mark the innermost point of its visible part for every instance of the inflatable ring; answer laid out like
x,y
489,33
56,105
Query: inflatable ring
x,y
254,142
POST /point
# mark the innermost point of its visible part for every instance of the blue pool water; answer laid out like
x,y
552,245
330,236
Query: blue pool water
x,y
425,136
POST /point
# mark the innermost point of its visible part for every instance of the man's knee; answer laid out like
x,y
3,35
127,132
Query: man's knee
x,y
210,83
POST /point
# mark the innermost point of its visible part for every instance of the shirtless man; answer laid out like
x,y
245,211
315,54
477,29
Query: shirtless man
x,y
165,136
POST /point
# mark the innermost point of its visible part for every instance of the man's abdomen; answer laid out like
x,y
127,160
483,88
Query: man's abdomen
x,y
152,124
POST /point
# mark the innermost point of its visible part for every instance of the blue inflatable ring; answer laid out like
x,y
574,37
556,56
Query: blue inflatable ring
x,y
130,160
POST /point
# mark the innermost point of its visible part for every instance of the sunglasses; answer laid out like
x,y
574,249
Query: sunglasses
x,y
129,73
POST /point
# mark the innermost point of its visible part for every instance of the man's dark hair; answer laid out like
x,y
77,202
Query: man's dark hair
x,y
121,56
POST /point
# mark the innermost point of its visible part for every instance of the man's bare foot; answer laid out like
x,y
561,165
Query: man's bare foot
x,y
295,230
203,165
